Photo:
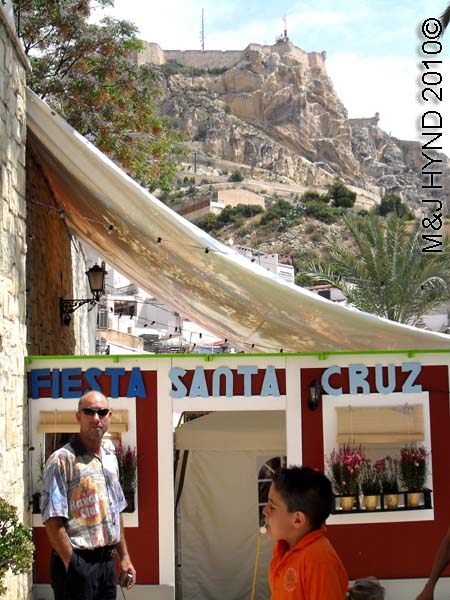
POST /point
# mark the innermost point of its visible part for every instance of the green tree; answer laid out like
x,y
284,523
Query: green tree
x,y
388,274
341,196
312,196
86,72
16,547
392,203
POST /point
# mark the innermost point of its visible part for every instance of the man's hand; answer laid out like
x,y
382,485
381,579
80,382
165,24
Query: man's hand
x,y
127,576
57,535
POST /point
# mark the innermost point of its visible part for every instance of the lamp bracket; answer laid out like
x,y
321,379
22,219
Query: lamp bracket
x,y
69,305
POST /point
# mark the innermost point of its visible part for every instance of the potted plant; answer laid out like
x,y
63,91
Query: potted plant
x,y
127,461
370,484
344,471
387,468
413,471
16,546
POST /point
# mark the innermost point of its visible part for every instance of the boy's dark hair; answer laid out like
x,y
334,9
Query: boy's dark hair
x,y
306,490
366,589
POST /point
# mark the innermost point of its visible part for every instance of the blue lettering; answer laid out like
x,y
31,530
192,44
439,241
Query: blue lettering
x,y
175,375
247,372
391,382
91,379
37,381
357,375
136,385
410,386
198,387
115,374
270,383
326,381
55,383
71,388
225,371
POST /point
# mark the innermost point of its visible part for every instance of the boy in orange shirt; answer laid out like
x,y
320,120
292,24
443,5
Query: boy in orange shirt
x,y
304,564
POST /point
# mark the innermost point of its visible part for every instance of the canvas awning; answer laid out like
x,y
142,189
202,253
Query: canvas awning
x,y
201,278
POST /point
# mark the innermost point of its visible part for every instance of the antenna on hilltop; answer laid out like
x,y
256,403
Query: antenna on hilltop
x,y
284,36
202,32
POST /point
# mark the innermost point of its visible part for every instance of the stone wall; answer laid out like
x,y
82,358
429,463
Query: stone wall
x,y
56,265
209,59
153,53
13,247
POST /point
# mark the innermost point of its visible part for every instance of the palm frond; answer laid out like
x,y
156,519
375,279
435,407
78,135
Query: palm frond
x,y
445,18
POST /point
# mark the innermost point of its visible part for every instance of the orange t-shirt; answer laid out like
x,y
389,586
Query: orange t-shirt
x,y
311,570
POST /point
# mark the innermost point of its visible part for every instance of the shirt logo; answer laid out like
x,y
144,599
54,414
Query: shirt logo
x,y
290,579
88,503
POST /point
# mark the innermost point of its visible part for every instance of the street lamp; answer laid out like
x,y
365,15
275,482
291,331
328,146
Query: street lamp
x,y
96,277
315,394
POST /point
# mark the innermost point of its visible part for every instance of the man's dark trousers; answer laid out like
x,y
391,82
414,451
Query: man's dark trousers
x,y
91,575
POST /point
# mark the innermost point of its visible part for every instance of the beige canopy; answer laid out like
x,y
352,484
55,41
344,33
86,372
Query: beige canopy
x,y
178,263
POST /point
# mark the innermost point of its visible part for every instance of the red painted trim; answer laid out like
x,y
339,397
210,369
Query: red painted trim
x,y
143,541
391,550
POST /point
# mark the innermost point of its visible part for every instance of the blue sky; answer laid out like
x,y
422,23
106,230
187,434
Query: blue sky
x,y
372,46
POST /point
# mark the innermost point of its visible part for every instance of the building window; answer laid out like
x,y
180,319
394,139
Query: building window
x,y
266,469
382,424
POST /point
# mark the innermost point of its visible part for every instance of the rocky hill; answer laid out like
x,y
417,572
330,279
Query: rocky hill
x,y
273,112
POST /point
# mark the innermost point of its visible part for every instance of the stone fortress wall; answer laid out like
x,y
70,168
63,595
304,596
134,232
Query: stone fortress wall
x,y
153,53
13,248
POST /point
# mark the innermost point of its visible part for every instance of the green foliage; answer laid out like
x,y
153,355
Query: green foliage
x,y
392,203
208,223
230,215
318,210
86,73
282,215
413,466
172,67
311,196
127,461
341,195
16,547
236,176
388,275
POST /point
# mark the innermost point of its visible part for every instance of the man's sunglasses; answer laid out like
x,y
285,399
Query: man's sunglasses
x,y
90,412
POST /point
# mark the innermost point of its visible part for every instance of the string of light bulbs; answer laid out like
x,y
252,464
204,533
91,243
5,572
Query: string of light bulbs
x,y
159,240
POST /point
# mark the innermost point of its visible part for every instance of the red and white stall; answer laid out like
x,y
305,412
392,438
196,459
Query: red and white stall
x,y
199,538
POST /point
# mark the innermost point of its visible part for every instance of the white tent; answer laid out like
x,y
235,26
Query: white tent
x,y
219,457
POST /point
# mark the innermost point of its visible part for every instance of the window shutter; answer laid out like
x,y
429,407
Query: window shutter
x,y
380,424
57,421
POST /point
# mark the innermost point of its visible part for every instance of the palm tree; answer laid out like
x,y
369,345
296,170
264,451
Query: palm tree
x,y
445,18
388,275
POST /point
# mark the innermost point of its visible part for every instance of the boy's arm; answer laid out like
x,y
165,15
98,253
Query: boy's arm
x,y
441,562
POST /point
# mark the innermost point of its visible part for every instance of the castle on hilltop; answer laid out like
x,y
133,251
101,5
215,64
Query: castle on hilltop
x,y
207,59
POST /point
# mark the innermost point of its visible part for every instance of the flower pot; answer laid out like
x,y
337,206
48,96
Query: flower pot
x,y
370,502
391,501
413,499
36,503
347,502
129,497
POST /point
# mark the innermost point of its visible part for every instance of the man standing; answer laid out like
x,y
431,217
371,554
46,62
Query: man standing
x,y
81,505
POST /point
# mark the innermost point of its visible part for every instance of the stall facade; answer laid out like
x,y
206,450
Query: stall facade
x,y
381,400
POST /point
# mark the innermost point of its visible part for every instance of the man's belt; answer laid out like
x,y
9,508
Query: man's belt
x,y
96,554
